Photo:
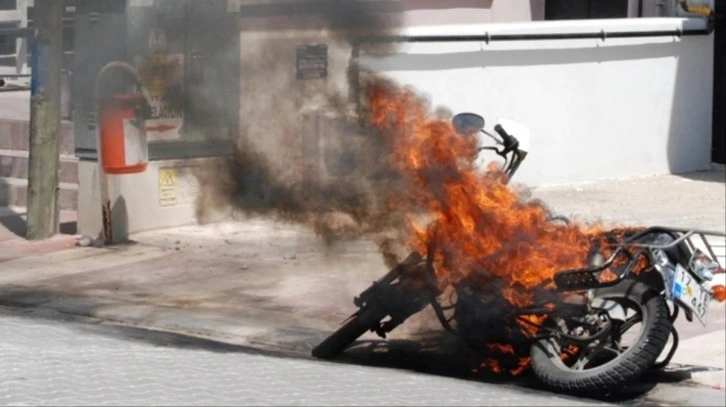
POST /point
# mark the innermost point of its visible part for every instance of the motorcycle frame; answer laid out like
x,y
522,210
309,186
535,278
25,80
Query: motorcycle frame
x,y
390,291
408,303
586,278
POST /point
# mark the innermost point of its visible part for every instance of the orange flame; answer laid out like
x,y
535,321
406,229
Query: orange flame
x,y
482,229
501,348
492,365
569,352
481,224
515,365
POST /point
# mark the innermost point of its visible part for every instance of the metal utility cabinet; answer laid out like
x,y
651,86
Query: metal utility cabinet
x,y
187,54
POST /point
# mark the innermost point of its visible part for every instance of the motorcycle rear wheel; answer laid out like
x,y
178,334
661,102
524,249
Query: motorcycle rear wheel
x,y
622,368
336,343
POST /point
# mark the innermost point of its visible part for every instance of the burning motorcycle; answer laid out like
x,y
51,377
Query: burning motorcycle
x,y
591,328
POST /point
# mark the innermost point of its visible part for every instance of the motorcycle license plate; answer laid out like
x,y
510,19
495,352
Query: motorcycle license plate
x,y
689,292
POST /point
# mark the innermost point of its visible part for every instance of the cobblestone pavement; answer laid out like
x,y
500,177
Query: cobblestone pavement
x,y
65,363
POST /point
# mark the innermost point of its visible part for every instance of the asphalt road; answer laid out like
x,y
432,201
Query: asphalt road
x,y
56,363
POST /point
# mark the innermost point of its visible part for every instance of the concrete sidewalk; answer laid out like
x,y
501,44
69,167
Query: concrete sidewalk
x,y
275,287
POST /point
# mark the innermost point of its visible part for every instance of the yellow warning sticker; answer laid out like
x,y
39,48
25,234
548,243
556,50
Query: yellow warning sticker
x,y
167,186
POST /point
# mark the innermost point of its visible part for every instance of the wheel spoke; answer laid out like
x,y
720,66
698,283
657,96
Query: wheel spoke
x,y
613,350
585,357
630,322
604,349
591,353
581,363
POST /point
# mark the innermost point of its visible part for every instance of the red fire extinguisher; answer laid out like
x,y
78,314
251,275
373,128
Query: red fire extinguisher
x,y
123,147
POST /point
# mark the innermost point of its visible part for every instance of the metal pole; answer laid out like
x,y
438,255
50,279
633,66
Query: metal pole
x,y
45,89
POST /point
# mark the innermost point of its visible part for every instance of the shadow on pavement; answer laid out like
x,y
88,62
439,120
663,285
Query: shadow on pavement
x,y
136,334
444,355
169,339
16,223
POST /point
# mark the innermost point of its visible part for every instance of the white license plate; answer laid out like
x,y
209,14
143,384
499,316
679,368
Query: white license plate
x,y
689,292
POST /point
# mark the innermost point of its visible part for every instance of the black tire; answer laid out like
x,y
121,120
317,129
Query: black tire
x,y
625,368
336,343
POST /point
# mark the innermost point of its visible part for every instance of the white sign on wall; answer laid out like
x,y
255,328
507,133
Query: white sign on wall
x,y
163,77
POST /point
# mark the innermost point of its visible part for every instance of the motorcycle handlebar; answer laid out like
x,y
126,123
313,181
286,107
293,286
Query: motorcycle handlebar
x,y
511,153
509,141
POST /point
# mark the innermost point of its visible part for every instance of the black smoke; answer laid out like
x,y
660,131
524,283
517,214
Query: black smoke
x,y
304,153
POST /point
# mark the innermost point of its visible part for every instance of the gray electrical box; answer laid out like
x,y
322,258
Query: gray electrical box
x,y
188,54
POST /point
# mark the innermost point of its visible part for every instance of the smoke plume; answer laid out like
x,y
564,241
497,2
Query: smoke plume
x,y
304,153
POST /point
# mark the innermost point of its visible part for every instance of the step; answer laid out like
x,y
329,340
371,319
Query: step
x,y
14,164
14,192
15,135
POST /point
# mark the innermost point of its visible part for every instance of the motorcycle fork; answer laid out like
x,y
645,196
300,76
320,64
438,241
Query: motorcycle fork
x,y
402,292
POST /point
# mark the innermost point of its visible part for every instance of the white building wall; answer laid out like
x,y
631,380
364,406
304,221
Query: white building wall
x,y
596,109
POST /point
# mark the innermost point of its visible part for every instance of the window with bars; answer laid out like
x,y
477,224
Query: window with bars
x,y
8,5
7,43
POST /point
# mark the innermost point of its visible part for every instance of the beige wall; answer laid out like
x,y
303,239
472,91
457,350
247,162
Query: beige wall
x,y
423,12
427,12
278,112
432,12
288,107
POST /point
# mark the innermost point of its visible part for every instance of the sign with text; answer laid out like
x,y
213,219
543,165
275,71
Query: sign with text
x,y
162,73
167,187
312,61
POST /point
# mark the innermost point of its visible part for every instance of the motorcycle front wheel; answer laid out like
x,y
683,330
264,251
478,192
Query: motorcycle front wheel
x,y
359,324
608,362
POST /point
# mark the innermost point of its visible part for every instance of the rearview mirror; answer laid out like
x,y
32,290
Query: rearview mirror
x,y
467,123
